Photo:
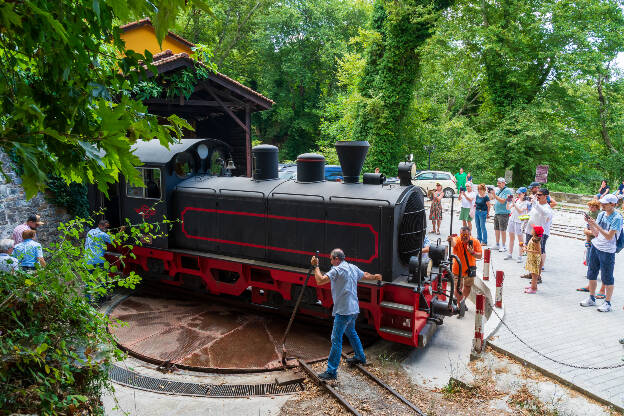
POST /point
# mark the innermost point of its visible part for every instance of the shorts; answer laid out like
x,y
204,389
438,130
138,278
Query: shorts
x,y
542,243
468,281
464,214
514,227
500,222
603,262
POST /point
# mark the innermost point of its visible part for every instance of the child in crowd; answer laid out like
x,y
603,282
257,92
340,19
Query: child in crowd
x,y
594,210
534,254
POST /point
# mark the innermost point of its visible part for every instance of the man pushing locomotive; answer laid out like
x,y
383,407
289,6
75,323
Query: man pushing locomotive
x,y
344,278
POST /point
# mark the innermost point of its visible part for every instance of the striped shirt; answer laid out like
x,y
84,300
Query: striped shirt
x,y
17,233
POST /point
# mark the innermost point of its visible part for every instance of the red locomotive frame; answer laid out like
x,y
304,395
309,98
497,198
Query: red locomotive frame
x,y
397,311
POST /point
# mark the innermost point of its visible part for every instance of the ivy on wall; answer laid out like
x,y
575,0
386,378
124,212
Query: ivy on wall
x,y
72,197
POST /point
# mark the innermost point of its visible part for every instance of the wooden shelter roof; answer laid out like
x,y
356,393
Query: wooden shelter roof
x,y
218,89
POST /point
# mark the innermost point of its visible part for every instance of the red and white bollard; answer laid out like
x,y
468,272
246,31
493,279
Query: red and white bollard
x,y
477,342
486,264
500,276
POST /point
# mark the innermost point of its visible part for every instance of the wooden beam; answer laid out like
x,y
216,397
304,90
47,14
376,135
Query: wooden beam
x,y
204,86
203,103
253,97
227,110
248,138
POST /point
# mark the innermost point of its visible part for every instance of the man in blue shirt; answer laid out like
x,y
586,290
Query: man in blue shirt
x,y
501,213
29,252
344,278
95,245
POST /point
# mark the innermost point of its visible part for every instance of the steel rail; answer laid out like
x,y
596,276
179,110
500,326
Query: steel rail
x,y
329,388
390,389
370,375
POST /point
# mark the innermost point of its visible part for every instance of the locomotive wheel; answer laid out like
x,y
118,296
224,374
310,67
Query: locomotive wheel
x,y
448,193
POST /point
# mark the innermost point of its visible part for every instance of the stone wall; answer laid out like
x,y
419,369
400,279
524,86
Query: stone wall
x,y
14,208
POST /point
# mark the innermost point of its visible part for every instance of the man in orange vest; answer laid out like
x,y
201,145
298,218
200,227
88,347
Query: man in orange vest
x,y
468,250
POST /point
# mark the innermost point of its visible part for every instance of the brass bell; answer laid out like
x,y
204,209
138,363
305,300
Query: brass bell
x,y
230,165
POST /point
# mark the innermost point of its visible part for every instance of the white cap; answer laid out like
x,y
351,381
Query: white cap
x,y
501,180
609,199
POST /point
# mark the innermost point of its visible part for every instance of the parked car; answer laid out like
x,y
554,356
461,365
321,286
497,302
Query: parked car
x,y
288,171
427,179
333,173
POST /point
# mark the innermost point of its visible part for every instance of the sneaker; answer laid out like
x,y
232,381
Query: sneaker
x,y
605,307
508,257
520,259
588,302
327,376
355,360
496,247
502,249
526,276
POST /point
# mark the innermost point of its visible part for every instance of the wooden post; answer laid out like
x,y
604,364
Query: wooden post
x,y
248,138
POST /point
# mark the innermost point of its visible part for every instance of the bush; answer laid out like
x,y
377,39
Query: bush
x,y
55,350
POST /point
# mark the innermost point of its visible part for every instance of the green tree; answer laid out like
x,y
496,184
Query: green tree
x,y
389,77
66,105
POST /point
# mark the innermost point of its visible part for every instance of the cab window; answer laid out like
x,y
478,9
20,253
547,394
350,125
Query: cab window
x,y
153,185
183,165
443,176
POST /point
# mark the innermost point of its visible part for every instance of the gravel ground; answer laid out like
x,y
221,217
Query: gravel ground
x,y
501,387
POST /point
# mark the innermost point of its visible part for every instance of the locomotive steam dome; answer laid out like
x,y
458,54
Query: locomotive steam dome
x,y
310,168
265,162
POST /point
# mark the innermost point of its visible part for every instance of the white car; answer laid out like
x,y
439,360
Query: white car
x,y
427,179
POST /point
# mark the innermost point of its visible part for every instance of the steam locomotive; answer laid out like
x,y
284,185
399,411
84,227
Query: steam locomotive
x,y
252,238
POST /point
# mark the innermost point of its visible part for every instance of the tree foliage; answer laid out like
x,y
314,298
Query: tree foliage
x,y
66,105
55,349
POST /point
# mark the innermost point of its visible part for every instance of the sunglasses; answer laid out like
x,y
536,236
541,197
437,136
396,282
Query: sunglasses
x,y
540,194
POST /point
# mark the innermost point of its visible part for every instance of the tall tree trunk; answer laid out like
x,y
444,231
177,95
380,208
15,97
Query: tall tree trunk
x,y
603,113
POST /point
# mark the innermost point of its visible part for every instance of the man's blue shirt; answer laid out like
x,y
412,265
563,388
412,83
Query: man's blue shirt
x,y
27,252
95,245
501,208
344,279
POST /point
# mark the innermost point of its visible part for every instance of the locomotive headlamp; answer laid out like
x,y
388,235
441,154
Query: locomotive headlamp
x,y
407,170
202,151
437,254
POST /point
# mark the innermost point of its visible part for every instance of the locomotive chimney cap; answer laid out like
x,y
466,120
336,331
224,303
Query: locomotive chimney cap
x,y
351,155
265,148
264,162
310,168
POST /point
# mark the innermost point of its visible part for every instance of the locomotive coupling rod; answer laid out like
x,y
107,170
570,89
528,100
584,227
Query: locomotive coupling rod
x,y
387,387
329,388
294,312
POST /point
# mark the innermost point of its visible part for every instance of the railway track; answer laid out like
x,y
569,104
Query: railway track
x,y
360,390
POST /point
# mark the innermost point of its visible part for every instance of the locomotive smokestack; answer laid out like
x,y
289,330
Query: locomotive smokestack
x,y
351,156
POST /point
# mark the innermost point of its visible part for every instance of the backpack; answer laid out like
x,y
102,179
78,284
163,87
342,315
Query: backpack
x,y
619,242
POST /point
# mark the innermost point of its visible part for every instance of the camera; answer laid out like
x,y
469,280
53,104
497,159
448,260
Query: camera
x,y
462,189
527,198
490,189
470,243
509,198
472,271
586,216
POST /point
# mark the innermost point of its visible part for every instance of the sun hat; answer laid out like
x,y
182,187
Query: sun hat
x,y
539,231
501,179
609,199
534,184
521,190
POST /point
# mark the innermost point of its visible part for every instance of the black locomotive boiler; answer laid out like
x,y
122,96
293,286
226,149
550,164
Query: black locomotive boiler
x,y
253,237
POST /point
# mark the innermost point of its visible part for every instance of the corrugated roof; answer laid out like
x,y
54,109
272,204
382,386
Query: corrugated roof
x,y
147,21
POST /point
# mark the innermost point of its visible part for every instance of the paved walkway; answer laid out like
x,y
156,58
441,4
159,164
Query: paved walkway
x,y
553,323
